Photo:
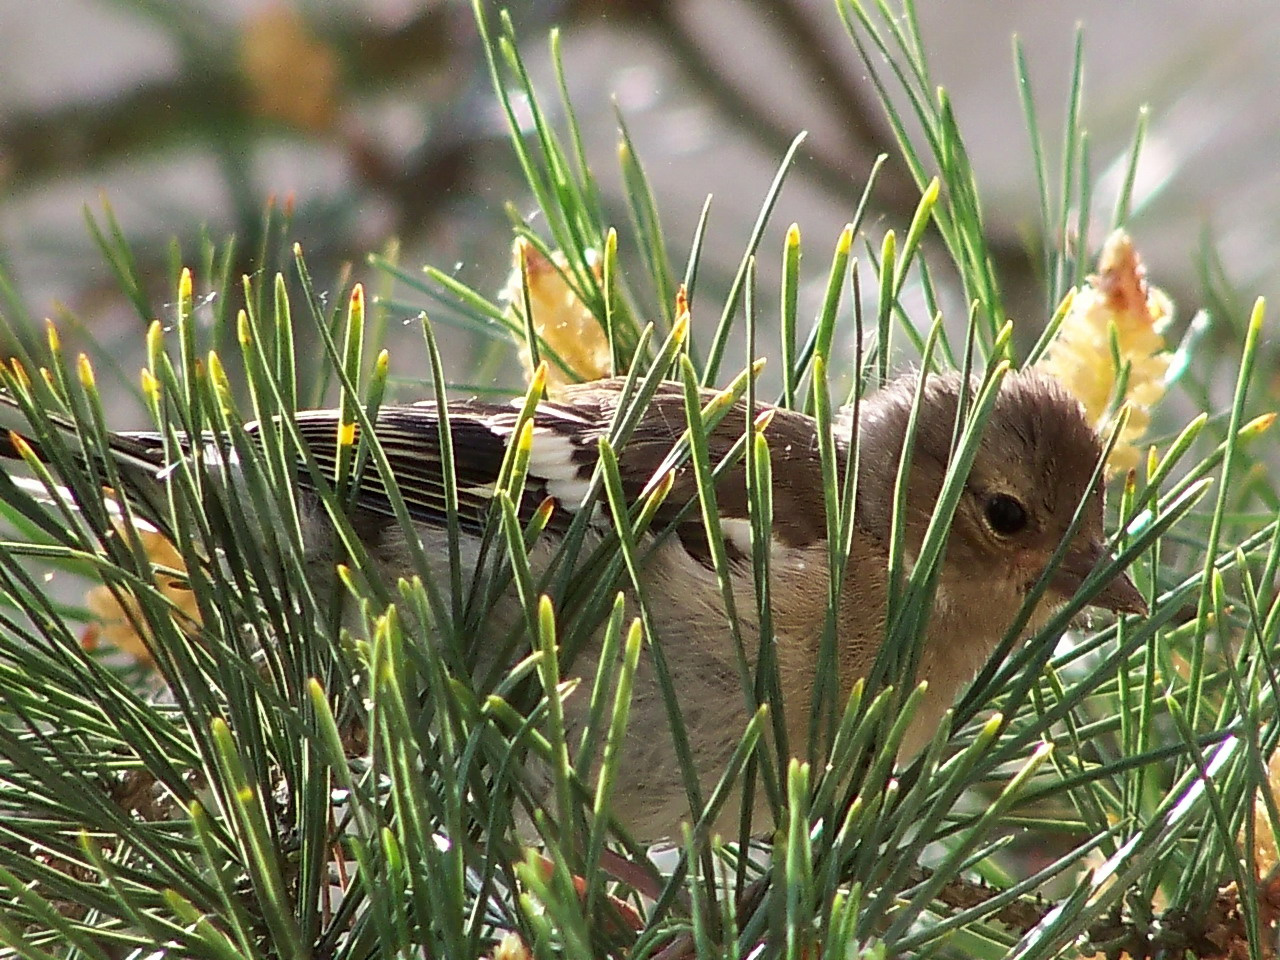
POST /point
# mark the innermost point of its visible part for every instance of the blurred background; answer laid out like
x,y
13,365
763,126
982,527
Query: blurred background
x,y
374,120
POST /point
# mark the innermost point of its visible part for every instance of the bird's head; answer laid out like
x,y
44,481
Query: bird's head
x,y
1033,469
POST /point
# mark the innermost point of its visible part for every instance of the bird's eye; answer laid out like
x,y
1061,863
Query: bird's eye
x,y
1005,514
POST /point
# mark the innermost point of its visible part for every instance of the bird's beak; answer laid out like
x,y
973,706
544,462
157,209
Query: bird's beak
x,y
1118,594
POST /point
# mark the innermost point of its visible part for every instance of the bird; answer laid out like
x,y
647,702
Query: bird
x,y
1035,464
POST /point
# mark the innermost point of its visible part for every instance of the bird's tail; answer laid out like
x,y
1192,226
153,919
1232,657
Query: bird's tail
x,y
130,465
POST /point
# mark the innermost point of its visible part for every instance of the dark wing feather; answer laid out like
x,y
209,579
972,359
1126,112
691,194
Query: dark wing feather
x,y
410,440
566,431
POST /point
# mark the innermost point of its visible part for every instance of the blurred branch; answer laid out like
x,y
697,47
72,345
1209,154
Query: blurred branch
x,y
45,145
839,174
855,115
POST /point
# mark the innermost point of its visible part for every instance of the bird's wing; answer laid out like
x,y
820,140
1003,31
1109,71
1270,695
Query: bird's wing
x,y
563,459
410,440
799,518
